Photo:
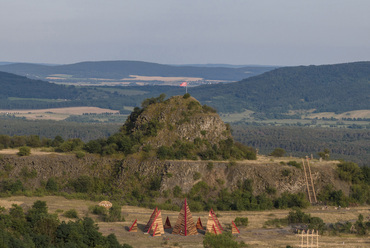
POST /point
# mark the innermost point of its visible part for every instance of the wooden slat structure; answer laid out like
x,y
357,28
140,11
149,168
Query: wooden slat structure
x,y
185,224
199,224
167,224
105,204
213,225
309,181
133,227
234,229
309,240
156,231
157,224
151,219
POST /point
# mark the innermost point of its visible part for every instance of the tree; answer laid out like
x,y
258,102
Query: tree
x,y
278,152
324,154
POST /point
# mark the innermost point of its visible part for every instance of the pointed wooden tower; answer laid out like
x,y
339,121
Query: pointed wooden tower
x,y
213,225
234,229
150,222
185,224
133,227
167,224
199,224
157,224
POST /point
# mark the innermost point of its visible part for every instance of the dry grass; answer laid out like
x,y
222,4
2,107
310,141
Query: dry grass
x,y
34,152
350,114
254,235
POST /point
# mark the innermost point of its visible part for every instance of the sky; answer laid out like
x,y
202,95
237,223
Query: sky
x,y
239,32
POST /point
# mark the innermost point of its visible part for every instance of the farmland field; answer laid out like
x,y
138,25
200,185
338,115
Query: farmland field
x,y
56,113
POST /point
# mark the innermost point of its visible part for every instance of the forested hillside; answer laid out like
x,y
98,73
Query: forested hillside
x,y
17,86
123,69
347,144
336,88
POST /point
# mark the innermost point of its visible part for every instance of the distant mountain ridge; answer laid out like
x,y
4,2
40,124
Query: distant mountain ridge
x,y
328,88
123,69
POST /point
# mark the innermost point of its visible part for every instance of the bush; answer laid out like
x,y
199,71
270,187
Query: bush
x,y
82,184
295,164
98,210
24,151
114,214
72,213
241,221
223,240
79,154
51,185
197,176
177,191
210,166
186,96
286,172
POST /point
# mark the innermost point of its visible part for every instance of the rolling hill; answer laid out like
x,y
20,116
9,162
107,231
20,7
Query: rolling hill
x,y
123,69
326,88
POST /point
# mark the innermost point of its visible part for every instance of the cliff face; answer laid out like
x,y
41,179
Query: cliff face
x,y
171,173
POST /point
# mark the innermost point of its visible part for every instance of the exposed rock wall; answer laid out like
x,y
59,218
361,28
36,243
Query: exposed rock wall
x,y
222,174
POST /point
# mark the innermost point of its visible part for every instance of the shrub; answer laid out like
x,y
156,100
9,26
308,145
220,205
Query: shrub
x,y
51,185
197,176
295,164
114,214
82,184
210,166
241,221
186,96
79,154
72,213
24,151
286,172
177,191
98,210
350,172
219,241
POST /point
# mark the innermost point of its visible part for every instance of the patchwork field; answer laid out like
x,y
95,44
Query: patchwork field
x,y
255,235
56,113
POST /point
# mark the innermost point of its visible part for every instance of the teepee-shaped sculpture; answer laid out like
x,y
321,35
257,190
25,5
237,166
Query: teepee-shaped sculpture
x,y
234,229
157,225
155,218
199,224
133,228
150,222
167,224
185,224
213,225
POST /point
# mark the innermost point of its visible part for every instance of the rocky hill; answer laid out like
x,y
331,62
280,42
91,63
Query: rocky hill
x,y
178,118
167,150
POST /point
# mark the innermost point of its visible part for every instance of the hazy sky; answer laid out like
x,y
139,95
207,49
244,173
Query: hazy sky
x,y
266,32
